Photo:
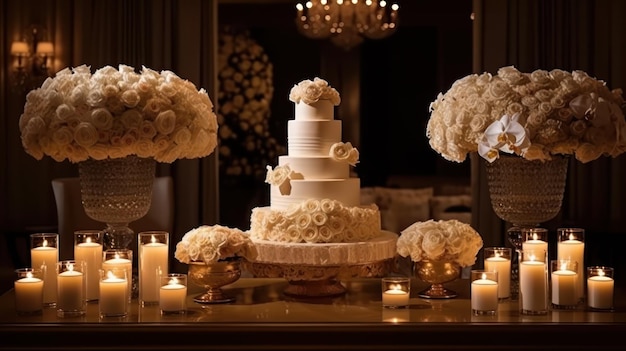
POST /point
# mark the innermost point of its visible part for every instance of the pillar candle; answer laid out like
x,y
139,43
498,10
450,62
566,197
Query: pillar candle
x,y
113,295
70,290
124,263
600,292
574,250
501,265
152,259
395,297
172,296
28,294
90,253
484,295
533,285
564,287
46,257
537,245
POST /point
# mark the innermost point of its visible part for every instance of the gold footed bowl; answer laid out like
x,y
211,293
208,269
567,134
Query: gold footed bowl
x,y
437,273
213,277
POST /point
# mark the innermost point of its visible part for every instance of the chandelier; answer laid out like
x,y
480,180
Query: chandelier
x,y
347,22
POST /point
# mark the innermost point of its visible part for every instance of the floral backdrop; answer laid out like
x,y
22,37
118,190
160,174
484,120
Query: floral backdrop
x,y
246,145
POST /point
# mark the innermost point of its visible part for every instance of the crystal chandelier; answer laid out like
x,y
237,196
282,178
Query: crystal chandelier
x,y
347,22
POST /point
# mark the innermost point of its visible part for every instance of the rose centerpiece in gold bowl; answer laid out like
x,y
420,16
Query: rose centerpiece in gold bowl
x,y
214,255
439,251
116,124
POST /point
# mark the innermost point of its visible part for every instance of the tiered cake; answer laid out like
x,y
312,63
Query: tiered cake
x,y
315,216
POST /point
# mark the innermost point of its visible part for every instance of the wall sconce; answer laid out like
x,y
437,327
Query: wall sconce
x,y
32,57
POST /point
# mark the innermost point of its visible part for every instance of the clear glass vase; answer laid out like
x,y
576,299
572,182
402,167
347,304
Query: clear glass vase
x,y
525,194
117,192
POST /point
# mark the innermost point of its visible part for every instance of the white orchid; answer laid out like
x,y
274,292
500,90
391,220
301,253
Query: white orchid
x,y
506,134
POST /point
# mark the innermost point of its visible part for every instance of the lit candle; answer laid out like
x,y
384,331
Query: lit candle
x,y
533,285
502,265
46,257
152,260
600,291
535,244
172,296
395,297
118,262
484,294
90,253
70,290
28,294
574,250
113,295
564,285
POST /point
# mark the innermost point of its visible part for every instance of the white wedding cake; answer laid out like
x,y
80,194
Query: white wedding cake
x,y
315,216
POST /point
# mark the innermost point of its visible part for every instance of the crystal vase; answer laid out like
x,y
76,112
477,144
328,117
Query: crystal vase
x,y
117,192
525,194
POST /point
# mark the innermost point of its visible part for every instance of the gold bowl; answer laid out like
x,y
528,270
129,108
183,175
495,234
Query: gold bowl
x,y
213,277
437,273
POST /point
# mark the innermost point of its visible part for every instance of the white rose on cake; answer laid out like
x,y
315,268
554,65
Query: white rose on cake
x,y
310,92
344,152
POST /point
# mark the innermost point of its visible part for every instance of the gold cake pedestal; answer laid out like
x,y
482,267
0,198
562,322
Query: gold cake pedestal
x,y
311,281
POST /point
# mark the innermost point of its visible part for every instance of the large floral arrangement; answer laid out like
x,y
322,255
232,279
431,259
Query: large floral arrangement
x,y
534,115
114,113
246,143
443,240
210,244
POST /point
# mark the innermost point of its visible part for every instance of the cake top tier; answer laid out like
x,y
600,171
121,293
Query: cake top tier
x,y
310,92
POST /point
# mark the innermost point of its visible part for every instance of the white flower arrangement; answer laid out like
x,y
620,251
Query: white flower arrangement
x,y
210,244
114,113
246,89
443,240
533,115
311,91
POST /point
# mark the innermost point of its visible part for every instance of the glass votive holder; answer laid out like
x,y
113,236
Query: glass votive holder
x,y
533,281
396,292
88,248
564,284
173,293
28,288
120,258
153,262
71,299
44,255
600,286
535,238
484,292
498,259
571,246
113,290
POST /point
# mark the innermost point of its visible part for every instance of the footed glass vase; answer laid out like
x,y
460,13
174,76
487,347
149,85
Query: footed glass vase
x,y
525,194
117,192
212,277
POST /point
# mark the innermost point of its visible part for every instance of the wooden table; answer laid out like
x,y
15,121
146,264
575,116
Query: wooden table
x,y
262,318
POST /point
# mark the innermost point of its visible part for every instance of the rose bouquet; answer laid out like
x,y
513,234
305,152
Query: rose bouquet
x,y
443,240
210,244
534,115
114,113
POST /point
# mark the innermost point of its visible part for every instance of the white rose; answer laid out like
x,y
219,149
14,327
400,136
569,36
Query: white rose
x,y
86,134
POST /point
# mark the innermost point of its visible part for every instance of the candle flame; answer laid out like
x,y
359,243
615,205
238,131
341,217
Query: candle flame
x,y
483,276
29,274
45,243
571,236
88,240
153,239
563,266
601,273
117,256
110,275
532,257
535,236
70,266
173,281
395,287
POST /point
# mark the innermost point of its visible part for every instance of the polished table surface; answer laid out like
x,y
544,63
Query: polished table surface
x,y
263,318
